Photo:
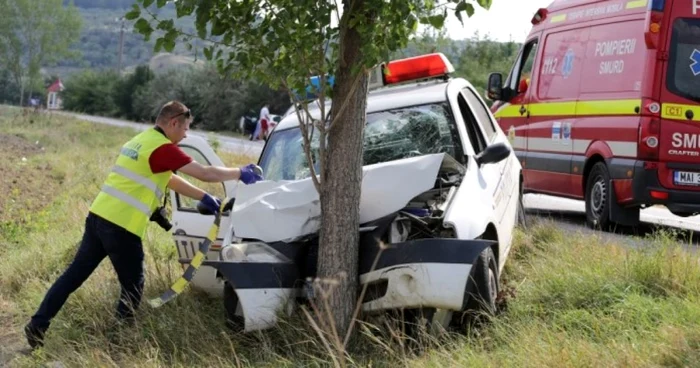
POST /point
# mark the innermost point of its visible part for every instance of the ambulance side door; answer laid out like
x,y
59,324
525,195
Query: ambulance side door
x,y
553,110
512,116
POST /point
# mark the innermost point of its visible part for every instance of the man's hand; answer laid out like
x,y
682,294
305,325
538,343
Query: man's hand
x,y
213,174
251,173
211,203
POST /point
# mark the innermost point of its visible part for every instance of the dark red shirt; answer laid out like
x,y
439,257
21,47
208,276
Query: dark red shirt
x,y
168,157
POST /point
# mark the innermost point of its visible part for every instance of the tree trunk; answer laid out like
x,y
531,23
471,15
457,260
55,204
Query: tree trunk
x,y
341,183
21,93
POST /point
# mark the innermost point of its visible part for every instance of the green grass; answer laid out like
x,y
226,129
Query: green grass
x,y
575,302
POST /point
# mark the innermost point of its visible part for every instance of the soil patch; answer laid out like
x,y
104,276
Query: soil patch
x,y
25,185
12,341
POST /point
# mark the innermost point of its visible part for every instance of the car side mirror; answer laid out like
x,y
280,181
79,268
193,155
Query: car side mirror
x,y
495,87
492,154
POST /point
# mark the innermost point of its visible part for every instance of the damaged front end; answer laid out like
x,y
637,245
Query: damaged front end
x,y
409,256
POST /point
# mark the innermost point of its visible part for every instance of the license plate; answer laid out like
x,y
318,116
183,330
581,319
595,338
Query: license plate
x,y
686,178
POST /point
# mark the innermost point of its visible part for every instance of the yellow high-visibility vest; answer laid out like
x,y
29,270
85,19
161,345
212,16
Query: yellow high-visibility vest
x,y
132,192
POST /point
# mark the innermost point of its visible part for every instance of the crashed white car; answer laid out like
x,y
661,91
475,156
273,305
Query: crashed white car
x,y
441,185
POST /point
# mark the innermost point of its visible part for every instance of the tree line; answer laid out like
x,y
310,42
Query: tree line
x,y
219,102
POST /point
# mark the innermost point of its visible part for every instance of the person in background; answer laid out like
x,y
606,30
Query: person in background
x,y
263,123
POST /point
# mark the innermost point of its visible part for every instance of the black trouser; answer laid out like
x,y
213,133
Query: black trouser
x,y
101,239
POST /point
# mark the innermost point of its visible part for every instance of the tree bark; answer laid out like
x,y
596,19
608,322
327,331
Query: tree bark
x,y
341,182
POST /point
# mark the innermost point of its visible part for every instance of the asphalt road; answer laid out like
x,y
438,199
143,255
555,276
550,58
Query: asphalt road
x,y
566,213
244,146
570,215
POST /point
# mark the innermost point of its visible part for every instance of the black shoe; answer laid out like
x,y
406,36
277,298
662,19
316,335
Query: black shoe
x,y
35,336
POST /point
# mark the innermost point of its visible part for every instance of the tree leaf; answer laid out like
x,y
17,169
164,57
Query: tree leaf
x,y
159,45
486,4
142,25
207,53
464,6
437,21
134,13
169,44
161,3
147,3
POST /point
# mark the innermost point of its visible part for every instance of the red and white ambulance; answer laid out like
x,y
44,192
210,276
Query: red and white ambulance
x,y
603,104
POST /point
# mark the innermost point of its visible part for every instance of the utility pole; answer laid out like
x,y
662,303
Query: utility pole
x,y
121,45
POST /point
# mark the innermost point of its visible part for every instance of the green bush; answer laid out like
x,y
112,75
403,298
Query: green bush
x,y
217,101
92,93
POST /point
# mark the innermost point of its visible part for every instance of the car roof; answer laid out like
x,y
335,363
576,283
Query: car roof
x,y
384,99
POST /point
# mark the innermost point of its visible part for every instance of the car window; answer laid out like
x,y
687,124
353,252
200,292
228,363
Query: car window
x,y
481,113
684,59
215,189
476,137
389,135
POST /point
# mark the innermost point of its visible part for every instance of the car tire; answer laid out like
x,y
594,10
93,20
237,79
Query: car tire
x,y
419,325
233,321
521,219
597,197
481,292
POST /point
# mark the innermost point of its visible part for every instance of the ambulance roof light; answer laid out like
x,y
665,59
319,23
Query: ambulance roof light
x,y
657,5
417,67
539,16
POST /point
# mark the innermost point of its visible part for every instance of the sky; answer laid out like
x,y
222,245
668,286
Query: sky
x,y
505,19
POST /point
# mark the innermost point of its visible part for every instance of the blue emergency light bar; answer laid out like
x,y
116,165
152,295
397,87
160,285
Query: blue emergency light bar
x,y
312,89
412,69
316,83
657,5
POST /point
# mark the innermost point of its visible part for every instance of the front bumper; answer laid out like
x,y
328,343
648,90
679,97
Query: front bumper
x,y
419,273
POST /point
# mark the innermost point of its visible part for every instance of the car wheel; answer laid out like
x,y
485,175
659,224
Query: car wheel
x,y
234,319
421,323
598,197
520,212
481,291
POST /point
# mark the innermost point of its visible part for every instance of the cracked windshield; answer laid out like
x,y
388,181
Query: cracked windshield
x,y
389,135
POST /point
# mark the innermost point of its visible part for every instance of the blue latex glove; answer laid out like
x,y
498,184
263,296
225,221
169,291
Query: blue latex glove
x,y
249,174
211,203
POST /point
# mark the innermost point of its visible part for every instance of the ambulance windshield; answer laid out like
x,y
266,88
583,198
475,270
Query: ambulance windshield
x,y
684,59
389,135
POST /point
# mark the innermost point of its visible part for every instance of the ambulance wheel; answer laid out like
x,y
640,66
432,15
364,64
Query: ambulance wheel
x,y
598,197
233,321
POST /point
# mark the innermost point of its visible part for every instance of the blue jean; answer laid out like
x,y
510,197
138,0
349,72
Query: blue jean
x,y
101,239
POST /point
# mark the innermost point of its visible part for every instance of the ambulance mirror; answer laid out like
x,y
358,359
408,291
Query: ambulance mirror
x,y
495,89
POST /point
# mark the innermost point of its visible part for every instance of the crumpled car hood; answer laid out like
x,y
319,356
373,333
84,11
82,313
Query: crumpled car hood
x,y
284,210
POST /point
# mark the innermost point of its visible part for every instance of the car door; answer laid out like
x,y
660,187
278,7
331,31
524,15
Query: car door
x,y
482,133
506,194
189,227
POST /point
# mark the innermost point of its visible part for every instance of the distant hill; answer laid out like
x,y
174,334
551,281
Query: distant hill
x,y
102,26
99,40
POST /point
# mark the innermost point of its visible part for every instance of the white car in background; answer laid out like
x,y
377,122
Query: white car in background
x,y
441,185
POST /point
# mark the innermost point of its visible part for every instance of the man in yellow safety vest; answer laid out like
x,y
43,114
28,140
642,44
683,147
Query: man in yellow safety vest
x,y
130,196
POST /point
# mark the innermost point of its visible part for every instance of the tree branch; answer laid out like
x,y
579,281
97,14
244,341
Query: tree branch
x,y
305,136
182,33
355,83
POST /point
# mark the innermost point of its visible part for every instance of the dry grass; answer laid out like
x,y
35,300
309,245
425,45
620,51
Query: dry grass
x,y
576,302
